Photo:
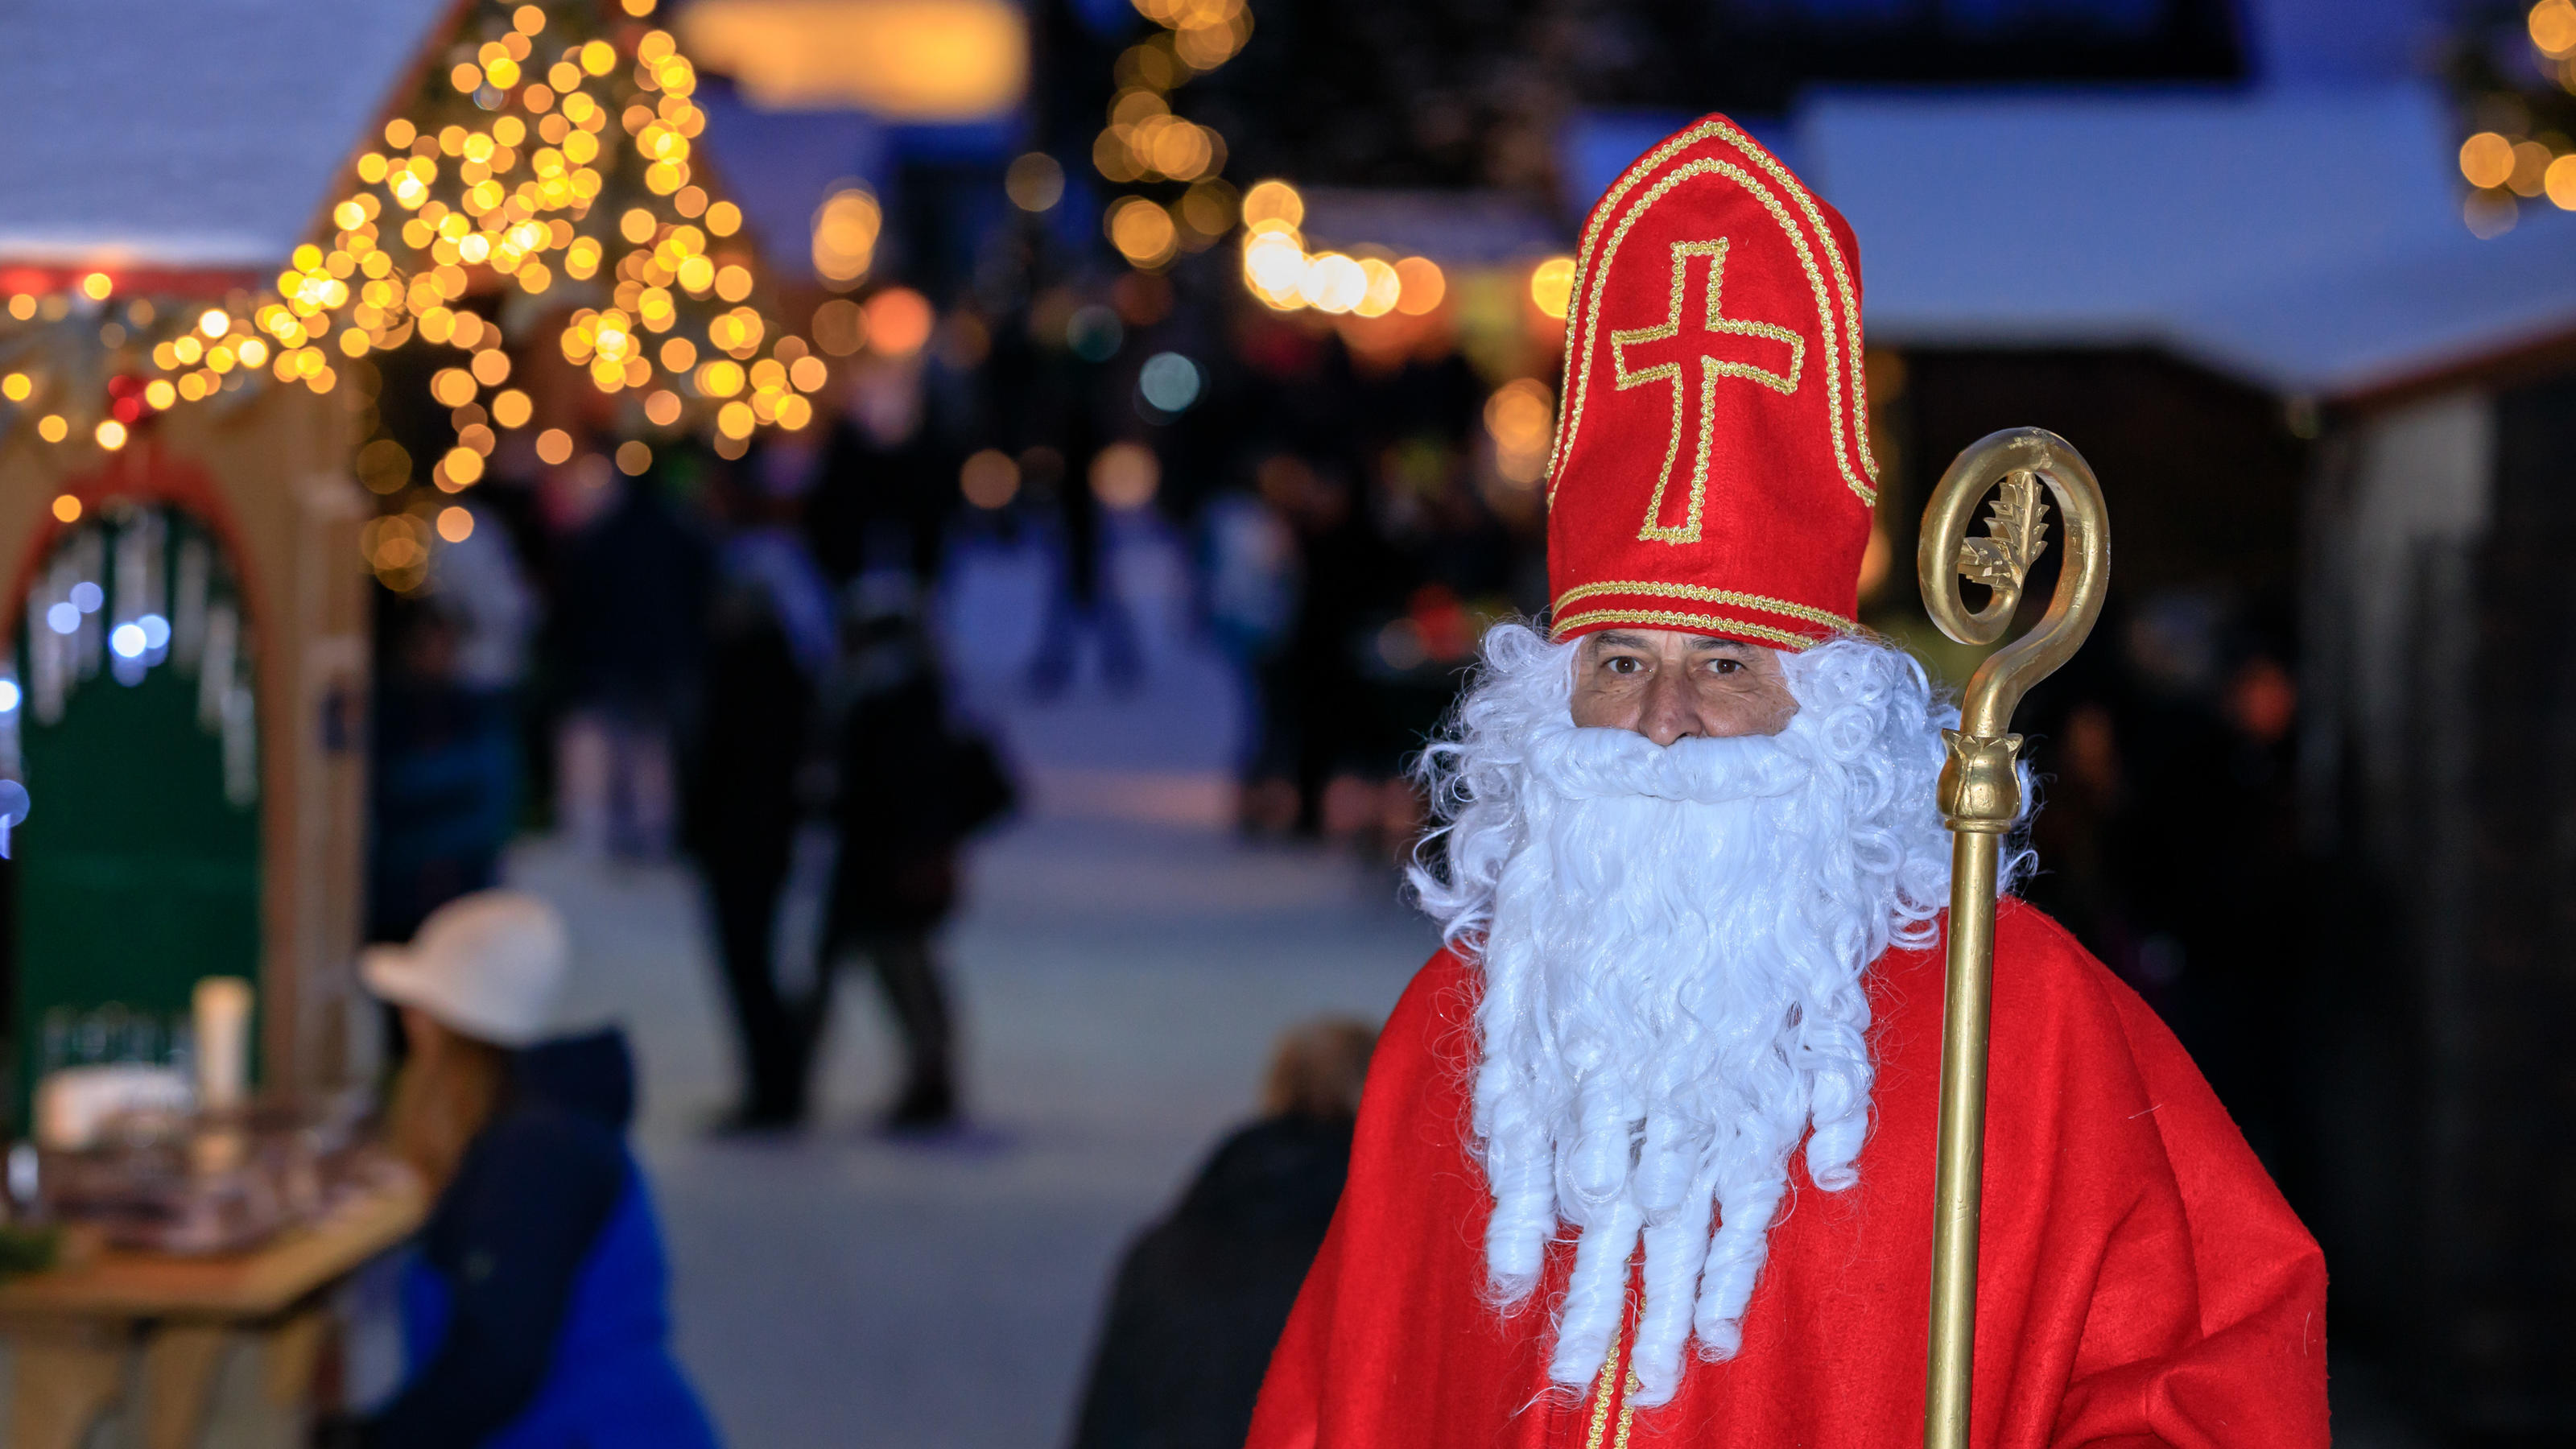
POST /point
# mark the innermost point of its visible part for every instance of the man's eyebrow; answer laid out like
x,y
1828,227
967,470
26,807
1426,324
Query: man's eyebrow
x,y
1616,639
1710,641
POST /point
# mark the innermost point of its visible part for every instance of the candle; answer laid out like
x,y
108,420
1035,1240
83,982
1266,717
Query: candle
x,y
223,1042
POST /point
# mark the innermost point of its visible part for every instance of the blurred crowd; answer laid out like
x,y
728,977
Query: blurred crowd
x,y
674,652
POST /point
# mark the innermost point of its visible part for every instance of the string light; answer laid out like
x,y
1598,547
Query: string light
x,y
553,142
1144,142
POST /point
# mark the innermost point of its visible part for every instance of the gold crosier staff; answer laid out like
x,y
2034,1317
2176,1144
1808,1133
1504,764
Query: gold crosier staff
x,y
1980,799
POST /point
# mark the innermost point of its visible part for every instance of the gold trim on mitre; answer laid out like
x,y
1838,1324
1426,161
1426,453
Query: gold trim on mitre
x,y
1795,643
1699,594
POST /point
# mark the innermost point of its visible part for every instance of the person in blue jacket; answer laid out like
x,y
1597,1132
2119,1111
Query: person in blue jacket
x,y
534,1313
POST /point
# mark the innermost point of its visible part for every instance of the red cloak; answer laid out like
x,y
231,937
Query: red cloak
x,y
2140,1280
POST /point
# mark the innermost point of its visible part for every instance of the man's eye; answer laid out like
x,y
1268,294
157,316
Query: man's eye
x,y
1622,664
1725,666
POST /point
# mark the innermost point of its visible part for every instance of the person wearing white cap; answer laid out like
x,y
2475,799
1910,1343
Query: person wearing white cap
x,y
534,1313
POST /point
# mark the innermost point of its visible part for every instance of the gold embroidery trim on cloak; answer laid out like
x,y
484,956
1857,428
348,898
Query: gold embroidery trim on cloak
x,y
1601,1405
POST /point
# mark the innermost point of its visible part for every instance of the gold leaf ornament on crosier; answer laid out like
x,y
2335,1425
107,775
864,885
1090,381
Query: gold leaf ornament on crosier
x,y
2017,530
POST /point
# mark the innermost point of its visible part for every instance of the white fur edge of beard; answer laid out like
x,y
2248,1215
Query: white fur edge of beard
x,y
1672,943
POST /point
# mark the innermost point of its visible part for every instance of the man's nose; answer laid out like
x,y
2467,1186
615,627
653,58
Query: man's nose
x,y
1670,713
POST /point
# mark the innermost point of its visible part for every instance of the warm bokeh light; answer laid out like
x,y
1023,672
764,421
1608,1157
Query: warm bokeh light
x,y
1142,231
67,509
455,524
1551,286
1125,475
899,320
2486,159
1521,419
462,466
1383,290
1274,201
1035,182
1274,265
96,286
1333,283
512,408
2553,27
845,235
452,386
1423,286
52,428
554,447
2559,181
633,457
989,479
110,434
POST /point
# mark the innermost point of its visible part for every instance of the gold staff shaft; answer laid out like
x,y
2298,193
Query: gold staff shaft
x,y
1981,801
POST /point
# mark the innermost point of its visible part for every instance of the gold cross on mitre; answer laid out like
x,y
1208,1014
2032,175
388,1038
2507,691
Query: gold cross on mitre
x,y
1664,349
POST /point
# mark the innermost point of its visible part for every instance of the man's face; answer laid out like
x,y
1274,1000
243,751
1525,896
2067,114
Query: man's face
x,y
1668,685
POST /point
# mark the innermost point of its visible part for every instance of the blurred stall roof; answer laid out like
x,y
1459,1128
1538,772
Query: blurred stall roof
x,y
200,136
2093,218
900,60
1453,228
2306,240
2380,322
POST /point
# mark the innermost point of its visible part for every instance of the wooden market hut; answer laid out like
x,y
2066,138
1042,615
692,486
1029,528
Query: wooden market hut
x,y
186,636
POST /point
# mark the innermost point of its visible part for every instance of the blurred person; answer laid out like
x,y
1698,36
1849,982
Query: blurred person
x,y
632,589
883,485
772,639
909,787
1317,709
1646,1155
447,768
1201,1296
1085,597
1249,588
534,1313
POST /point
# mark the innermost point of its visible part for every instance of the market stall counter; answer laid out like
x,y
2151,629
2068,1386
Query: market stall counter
x,y
149,1335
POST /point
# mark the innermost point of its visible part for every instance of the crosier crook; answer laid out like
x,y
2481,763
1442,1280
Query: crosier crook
x,y
1980,797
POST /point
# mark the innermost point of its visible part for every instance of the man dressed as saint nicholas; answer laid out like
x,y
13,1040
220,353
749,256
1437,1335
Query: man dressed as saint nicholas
x,y
1646,1154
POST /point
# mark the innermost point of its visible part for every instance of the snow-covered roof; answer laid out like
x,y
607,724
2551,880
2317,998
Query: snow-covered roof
x,y
2380,321
188,135
2307,240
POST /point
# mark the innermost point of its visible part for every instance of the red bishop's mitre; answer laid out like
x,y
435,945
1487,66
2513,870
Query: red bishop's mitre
x,y
1712,469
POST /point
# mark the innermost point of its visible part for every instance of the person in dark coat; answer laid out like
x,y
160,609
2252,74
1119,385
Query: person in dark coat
x,y
534,1313
910,787
444,790
772,637
631,596
1202,1296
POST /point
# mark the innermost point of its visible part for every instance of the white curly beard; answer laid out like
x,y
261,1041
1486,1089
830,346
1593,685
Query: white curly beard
x,y
1673,942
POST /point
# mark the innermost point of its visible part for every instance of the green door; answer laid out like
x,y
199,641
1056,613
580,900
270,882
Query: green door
x,y
138,869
